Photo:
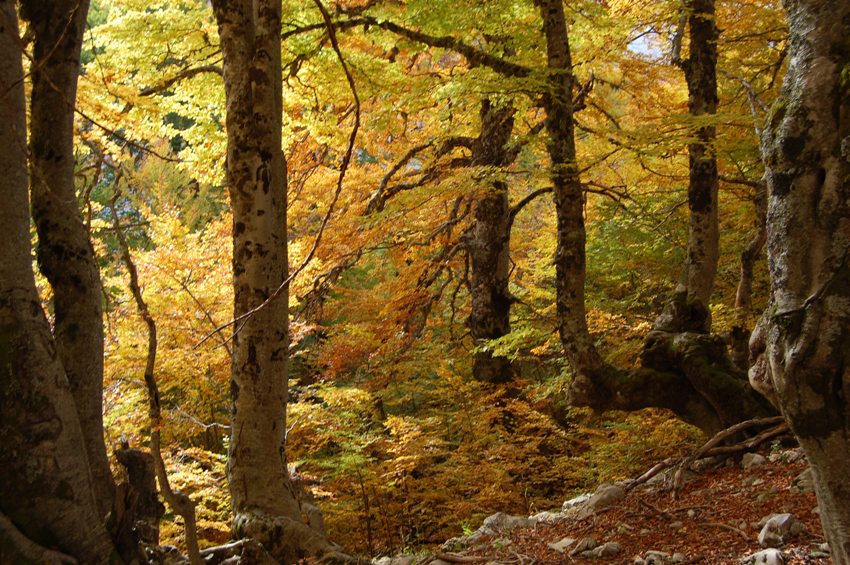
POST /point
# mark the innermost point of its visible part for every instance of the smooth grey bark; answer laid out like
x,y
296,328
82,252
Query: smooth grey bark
x,y
488,245
46,485
65,253
804,336
264,505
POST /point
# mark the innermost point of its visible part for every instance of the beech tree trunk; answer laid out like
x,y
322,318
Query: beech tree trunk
x,y
263,501
45,481
805,333
689,308
687,372
570,256
65,253
489,249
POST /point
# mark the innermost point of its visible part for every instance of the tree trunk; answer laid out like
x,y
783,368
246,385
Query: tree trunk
x,y
687,372
744,295
570,256
689,310
44,475
489,246
806,331
263,501
65,253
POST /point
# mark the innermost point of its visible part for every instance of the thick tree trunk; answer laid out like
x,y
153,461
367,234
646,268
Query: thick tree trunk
x,y
264,504
689,310
489,246
65,253
806,331
45,481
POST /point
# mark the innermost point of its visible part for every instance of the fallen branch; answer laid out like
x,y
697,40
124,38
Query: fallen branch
x,y
719,437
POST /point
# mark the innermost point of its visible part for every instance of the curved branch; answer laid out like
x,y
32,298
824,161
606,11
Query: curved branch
x,y
184,74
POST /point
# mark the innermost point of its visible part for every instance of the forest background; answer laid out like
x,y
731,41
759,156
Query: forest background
x,y
396,441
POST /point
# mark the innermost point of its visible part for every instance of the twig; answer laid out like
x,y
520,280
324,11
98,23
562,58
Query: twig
x,y
346,160
179,502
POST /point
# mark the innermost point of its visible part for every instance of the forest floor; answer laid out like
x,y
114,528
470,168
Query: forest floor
x,y
715,518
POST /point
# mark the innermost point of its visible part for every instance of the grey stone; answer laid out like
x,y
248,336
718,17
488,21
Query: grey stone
x,y
678,558
501,522
562,545
677,525
604,497
751,460
577,501
804,482
397,560
546,517
765,557
608,549
778,528
653,557
586,544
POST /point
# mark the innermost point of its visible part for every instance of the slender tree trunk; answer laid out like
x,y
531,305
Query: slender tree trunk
x,y
263,500
806,331
489,250
570,256
744,295
65,253
689,308
45,481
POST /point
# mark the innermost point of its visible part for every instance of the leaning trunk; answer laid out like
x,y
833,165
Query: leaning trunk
x,y
806,331
65,254
47,499
488,247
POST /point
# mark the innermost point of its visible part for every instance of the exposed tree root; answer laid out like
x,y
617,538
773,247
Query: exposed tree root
x,y
688,373
15,547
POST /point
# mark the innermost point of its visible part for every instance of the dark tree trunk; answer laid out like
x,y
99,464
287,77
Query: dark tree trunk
x,y
689,308
686,371
45,481
263,501
65,253
489,245
805,334
570,256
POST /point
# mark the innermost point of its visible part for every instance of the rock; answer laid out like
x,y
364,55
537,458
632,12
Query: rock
x,y
586,544
678,558
656,557
604,497
562,545
823,547
639,561
677,525
766,557
546,517
751,460
804,482
501,522
440,562
397,560
577,501
778,528
608,549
